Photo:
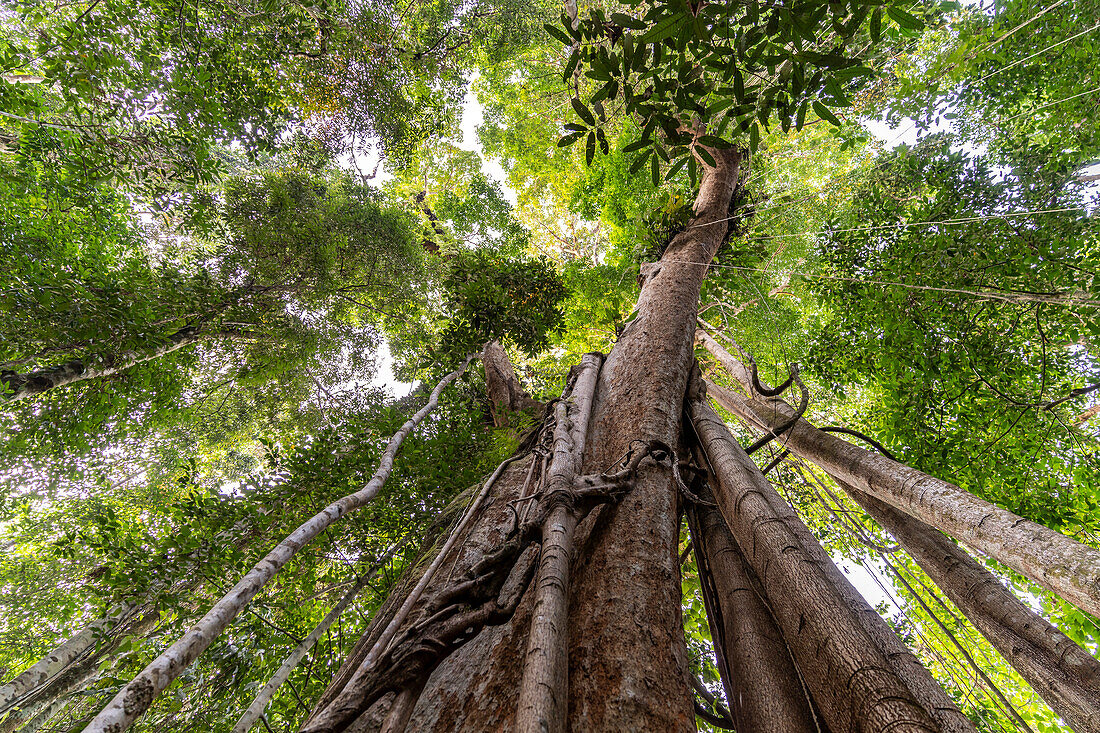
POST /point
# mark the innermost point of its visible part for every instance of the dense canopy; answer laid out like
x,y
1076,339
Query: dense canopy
x,y
246,249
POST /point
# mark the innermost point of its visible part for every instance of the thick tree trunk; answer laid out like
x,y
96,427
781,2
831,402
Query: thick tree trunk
x,y
506,395
1063,566
858,681
627,659
763,687
628,667
28,384
1060,564
1062,673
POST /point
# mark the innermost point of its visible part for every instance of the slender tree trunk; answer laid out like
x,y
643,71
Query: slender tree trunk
x,y
133,699
543,705
61,656
1062,673
1061,565
28,384
859,684
260,703
48,698
763,687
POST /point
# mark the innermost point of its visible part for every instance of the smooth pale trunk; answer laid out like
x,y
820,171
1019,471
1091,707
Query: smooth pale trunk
x,y
60,657
858,682
763,688
263,697
1060,564
1062,673
542,702
135,698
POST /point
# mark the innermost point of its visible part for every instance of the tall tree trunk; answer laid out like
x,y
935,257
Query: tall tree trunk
x,y
763,687
256,709
859,683
1060,564
627,659
28,384
61,656
1062,673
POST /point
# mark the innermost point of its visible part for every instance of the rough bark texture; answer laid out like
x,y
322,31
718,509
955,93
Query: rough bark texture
x,y
543,701
506,395
1060,564
1062,673
852,678
628,668
133,699
33,383
764,690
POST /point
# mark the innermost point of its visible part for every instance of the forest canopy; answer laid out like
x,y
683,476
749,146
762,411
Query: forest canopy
x,y
345,344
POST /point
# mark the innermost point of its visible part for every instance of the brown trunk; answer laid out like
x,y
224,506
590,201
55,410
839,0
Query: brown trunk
x,y
858,682
1063,566
764,690
628,667
1062,673
506,395
627,660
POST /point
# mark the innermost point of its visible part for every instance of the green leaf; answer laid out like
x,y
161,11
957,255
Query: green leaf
x,y
825,113
655,170
559,34
590,148
904,19
640,161
706,156
582,111
570,139
714,142
627,21
754,137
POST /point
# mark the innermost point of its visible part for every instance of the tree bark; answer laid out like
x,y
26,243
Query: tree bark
x,y
858,683
1062,673
506,395
627,658
763,687
543,702
50,696
628,666
133,699
28,384
1058,563
61,656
